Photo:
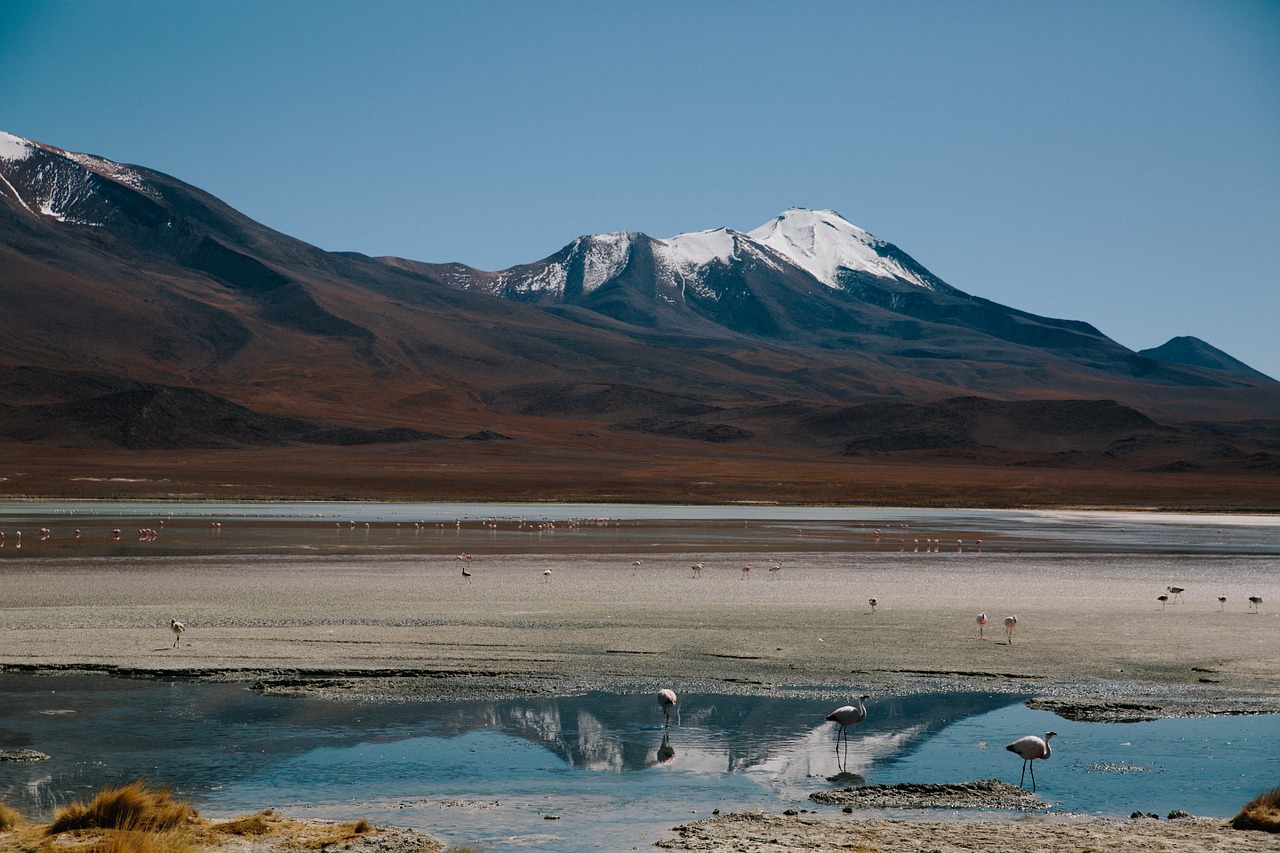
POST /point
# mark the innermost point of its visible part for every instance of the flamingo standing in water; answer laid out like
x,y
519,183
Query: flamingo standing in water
x,y
667,699
774,570
1163,599
697,570
746,571
1176,591
546,576
1254,601
1030,748
845,716
1010,622
982,623
1222,603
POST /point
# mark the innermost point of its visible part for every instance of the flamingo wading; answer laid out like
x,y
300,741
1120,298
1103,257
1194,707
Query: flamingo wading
x,y
845,716
1030,748
667,699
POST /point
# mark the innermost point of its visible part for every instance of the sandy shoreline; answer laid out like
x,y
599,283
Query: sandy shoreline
x,y
1091,637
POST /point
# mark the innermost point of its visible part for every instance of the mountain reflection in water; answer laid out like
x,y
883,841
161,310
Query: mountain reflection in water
x,y
488,772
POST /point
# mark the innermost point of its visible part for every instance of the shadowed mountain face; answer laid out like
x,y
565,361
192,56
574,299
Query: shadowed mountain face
x,y
142,313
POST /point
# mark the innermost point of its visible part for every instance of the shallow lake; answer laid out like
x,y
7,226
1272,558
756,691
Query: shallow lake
x,y
602,764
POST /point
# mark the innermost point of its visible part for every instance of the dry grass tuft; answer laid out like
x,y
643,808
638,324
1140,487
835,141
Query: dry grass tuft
x,y
1261,813
135,806
254,824
139,841
9,817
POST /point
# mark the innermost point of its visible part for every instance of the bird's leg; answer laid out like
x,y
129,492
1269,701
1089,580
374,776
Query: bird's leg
x,y
1022,782
1032,762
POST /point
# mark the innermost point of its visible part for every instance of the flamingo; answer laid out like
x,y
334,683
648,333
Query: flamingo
x,y
982,623
466,575
667,700
774,570
1030,748
1163,599
746,570
873,604
1176,591
1222,603
546,576
845,716
1010,622
697,570
1254,601
177,628
635,566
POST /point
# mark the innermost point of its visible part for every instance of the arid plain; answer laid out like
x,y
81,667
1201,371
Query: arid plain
x,y
329,608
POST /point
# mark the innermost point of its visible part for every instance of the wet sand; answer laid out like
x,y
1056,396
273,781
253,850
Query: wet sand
x,y
393,625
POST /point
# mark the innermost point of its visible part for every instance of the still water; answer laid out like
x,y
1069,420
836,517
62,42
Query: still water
x,y
490,772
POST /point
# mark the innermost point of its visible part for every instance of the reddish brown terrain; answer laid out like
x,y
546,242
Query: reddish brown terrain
x,y
156,342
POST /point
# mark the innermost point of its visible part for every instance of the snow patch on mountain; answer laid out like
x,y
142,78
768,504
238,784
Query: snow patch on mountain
x,y
114,171
14,147
603,257
519,280
822,242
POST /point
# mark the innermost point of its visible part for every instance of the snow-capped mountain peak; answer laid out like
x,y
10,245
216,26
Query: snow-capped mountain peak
x,y
822,242
699,248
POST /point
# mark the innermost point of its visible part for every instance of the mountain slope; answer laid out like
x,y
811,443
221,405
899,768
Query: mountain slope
x,y
141,312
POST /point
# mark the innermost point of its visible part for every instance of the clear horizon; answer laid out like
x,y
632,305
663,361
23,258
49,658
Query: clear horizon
x,y
1112,163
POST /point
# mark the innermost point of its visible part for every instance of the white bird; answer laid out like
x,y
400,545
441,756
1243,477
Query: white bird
x,y
845,716
982,623
1010,622
667,699
177,628
635,567
546,576
1175,591
1254,601
1030,748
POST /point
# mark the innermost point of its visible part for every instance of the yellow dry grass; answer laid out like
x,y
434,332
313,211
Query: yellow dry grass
x,y
138,818
1261,813
9,817
132,807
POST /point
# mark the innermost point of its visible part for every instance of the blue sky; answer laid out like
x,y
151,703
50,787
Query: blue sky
x,y
1114,162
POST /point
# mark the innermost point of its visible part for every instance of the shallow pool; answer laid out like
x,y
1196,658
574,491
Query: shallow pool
x,y
601,766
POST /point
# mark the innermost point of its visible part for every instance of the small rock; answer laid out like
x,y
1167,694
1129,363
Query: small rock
x,y
791,813
22,755
551,817
847,810
1177,814
715,811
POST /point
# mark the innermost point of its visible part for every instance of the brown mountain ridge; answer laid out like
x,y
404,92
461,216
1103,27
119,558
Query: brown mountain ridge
x,y
148,327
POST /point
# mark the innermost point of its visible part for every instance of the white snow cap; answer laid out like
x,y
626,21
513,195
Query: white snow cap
x,y
822,242
14,147
699,248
